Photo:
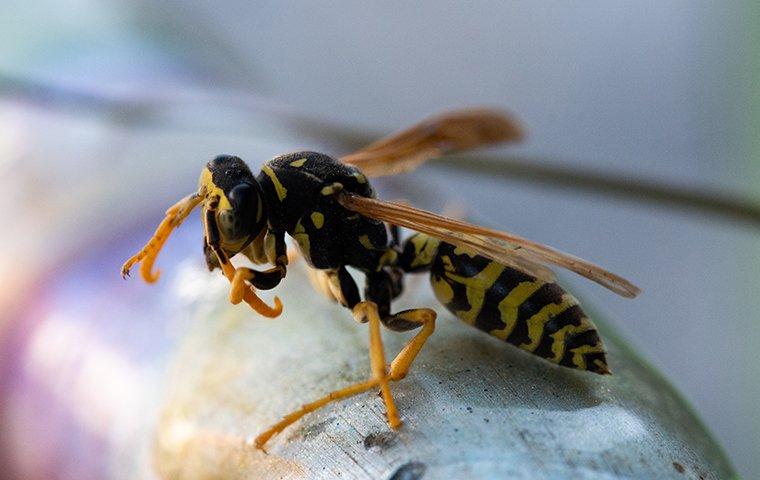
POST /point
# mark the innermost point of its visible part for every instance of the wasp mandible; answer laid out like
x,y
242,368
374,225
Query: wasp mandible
x,y
493,280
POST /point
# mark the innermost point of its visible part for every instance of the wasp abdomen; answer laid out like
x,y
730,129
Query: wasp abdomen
x,y
536,316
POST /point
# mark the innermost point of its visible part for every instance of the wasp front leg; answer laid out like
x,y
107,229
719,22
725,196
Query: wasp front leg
x,y
247,294
344,289
275,251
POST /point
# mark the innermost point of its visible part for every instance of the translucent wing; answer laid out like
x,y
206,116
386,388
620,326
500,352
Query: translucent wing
x,y
446,133
509,249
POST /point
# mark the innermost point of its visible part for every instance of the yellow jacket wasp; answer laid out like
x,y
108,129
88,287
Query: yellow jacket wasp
x,y
493,280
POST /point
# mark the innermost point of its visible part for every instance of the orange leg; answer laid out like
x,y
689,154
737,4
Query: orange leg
x,y
367,312
175,215
264,280
403,361
238,293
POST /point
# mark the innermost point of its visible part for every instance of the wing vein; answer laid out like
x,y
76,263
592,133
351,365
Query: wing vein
x,y
510,249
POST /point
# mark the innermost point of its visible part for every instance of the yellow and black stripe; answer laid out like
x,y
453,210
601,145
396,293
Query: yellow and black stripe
x,y
536,316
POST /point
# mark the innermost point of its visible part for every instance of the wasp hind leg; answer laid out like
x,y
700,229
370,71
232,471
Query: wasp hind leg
x,y
343,288
381,288
370,313
364,312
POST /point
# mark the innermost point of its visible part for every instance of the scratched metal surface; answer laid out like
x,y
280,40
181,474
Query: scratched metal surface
x,y
472,407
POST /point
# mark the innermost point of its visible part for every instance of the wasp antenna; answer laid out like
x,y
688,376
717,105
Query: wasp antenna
x,y
148,254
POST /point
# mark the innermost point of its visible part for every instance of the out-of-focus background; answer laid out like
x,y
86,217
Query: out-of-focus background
x,y
108,110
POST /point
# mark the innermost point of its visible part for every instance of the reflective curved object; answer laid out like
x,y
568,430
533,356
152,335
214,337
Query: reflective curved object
x,y
172,381
472,406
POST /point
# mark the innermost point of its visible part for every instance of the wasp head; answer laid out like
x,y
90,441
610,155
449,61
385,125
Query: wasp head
x,y
241,212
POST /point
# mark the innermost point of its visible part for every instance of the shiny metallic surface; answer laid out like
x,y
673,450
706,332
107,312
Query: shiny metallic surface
x,y
171,381
472,406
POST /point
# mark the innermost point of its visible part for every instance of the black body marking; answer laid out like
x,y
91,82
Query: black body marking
x,y
296,193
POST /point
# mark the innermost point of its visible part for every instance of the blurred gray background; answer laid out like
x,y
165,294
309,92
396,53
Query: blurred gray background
x,y
667,91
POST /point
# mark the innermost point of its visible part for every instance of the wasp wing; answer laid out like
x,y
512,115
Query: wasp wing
x,y
509,249
437,136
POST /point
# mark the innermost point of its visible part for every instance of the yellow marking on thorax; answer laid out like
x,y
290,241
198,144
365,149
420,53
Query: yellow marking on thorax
x,y
360,177
366,242
537,321
331,189
390,257
281,191
317,219
302,238
464,251
476,287
508,308
298,163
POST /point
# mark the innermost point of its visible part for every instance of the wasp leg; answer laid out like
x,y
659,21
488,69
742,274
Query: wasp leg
x,y
381,288
367,311
275,252
175,215
265,280
421,316
364,312
293,417
214,243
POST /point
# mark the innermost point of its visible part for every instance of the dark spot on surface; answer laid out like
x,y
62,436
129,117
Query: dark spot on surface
x,y
409,471
469,409
312,430
381,440
486,420
680,468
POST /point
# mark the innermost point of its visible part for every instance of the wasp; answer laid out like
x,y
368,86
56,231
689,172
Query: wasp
x,y
493,280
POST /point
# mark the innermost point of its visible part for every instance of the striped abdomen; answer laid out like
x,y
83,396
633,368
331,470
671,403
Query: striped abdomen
x,y
536,316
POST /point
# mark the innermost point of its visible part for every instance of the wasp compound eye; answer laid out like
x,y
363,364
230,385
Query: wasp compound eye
x,y
240,221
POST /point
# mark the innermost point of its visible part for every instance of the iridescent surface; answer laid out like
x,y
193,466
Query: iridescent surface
x,y
81,374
